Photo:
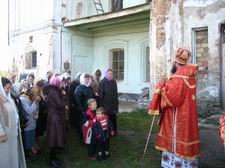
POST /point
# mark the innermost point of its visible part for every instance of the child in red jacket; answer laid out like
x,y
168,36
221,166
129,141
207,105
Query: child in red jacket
x,y
88,121
102,129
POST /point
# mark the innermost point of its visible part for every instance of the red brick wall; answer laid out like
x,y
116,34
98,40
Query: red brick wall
x,y
202,53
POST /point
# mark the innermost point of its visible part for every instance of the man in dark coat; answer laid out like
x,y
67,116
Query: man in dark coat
x,y
82,94
56,121
108,96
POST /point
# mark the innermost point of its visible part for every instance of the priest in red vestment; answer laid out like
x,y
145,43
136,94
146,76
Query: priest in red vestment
x,y
175,100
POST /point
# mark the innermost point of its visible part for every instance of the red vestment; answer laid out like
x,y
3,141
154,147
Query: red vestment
x,y
176,98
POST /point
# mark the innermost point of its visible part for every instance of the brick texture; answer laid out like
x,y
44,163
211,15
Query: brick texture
x,y
202,57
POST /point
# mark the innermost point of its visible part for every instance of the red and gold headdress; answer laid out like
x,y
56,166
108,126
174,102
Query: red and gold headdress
x,y
182,56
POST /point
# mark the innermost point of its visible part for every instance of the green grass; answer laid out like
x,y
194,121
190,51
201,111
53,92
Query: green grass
x,y
126,148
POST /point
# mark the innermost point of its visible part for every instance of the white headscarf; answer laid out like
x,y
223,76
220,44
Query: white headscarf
x,y
65,75
77,77
82,81
9,98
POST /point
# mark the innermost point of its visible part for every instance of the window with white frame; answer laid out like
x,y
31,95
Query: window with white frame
x,y
31,60
118,63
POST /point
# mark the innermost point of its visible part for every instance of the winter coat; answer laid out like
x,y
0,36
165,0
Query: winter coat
x,y
82,95
108,95
42,119
102,129
11,150
56,121
31,110
73,116
72,89
88,122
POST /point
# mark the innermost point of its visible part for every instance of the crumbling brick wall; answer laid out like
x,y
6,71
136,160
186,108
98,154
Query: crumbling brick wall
x,y
202,57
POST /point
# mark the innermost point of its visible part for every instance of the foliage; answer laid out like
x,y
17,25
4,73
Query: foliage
x,y
3,73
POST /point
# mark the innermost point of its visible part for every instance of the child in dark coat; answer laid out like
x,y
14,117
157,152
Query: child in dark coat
x,y
102,129
88,121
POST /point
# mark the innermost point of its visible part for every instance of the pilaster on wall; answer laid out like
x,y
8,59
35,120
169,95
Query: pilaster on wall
x,y
166,32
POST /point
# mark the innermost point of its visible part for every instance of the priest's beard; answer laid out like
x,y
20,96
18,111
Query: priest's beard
x,y
173,69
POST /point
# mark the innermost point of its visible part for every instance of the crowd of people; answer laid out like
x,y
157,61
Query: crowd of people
x,y
89,103
34,108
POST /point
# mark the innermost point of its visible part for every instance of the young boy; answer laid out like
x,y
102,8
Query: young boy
x,y
88,122
102,129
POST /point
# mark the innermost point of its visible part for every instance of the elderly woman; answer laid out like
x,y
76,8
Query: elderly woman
x,y
95,79
30,79
42,113
82,94
30,104
11,147
24,86
56,121
73,118
108,95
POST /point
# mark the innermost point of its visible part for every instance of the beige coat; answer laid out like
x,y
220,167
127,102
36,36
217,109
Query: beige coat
x,y
11,150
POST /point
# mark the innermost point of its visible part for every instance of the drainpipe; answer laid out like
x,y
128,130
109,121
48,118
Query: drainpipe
x,y
71,55
61,59
8,22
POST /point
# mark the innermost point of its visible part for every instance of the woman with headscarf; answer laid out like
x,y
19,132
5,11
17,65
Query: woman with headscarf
x,y
95,79
42,113
56,121
108,96
48,77
73,118
30,104
11,146
82,94
97,76
24,86
30,79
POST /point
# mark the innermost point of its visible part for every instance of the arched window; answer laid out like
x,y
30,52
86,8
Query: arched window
x,y
31,60
118,63
79,9
117,5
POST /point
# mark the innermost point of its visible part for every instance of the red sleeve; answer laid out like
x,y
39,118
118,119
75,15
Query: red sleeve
x,y
154,106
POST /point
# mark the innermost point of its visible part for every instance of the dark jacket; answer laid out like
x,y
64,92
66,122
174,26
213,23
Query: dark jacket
x,y
108,95
21,112
73,116
100,132
56,121
82,94
72,89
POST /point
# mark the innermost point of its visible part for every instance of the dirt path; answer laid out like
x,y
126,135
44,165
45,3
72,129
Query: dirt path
x,y
212,151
